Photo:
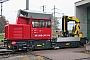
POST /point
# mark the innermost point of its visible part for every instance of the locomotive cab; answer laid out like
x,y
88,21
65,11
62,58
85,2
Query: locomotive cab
x,y
40,27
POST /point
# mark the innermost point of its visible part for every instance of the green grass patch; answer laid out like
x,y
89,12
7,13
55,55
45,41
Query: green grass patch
x,y
1,37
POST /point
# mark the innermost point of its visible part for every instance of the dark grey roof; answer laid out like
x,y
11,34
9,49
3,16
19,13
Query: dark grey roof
x,y
35,14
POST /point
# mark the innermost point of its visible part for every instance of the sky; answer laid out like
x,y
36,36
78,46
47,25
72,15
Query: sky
x,y
11,7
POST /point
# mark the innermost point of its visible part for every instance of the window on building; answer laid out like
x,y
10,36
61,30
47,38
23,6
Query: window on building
x,y
48,23
38,23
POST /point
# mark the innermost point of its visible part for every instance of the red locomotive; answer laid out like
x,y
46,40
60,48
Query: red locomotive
x,y
31,31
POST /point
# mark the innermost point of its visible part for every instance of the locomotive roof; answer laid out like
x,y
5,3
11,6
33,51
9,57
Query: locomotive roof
x,y
36,14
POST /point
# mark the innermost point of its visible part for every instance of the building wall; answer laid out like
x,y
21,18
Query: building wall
x,y
88,22
81,14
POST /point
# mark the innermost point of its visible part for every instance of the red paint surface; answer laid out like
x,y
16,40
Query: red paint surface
x,y
22,20
17,32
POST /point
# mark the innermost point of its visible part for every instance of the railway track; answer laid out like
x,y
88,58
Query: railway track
x,y
7,53
2,47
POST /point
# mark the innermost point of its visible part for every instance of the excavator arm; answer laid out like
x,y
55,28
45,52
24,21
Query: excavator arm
x,y
73,19
65,20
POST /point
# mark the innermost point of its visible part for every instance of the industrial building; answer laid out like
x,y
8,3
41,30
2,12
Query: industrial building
x,y
82,12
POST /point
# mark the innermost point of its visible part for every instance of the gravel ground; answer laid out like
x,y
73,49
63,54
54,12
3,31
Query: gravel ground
x,y
23,57
64,54
26,56
60,54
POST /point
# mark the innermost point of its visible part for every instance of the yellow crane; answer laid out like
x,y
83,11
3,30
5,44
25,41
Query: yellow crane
x,y
65,20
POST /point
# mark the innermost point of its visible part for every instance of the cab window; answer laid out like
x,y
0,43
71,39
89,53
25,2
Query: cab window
x,y
48,24
38,23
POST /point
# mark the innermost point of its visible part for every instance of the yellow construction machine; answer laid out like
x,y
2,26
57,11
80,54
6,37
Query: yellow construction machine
x,y
76,32
74,39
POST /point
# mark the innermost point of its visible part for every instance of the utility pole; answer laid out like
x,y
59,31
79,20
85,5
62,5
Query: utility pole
x,y
1,8
27,4
2,1
54,19
43,8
